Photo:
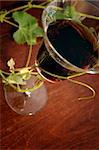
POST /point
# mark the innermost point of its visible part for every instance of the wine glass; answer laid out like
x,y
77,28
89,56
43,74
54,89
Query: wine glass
x,y
27,103
70,46
33,96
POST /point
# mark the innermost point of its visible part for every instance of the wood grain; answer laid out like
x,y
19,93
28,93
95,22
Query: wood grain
x,y
63,124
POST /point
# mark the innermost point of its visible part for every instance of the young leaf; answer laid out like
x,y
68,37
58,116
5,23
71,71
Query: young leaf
x,y
11,64
26,74
58,15
28,28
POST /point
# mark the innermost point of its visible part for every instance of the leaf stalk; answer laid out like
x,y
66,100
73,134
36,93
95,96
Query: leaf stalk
x,y
11,23
29,56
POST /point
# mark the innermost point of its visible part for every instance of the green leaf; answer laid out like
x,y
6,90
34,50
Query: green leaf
x,y
19,37
15,79
28,30
59,15
18,77
68,12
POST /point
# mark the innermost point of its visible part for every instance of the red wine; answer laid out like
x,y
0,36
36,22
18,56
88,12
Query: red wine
x,y
70,41
71,44
47,63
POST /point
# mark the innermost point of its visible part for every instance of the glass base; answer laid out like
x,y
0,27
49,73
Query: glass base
x,y
26,103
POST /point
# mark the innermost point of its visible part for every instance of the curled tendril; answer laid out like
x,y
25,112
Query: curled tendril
x,y
85,85
70,78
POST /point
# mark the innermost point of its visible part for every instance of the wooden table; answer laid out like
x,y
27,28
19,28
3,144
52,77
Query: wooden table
x,y
65,123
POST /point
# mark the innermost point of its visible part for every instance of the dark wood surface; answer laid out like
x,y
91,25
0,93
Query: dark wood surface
x,y
63,124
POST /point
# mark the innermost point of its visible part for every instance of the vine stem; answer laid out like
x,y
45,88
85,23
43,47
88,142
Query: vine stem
x,y
6,73
29,89
14,87
25,7
16,9
11,23
44,3
29,56
38,6
34,6
61,77
88,16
